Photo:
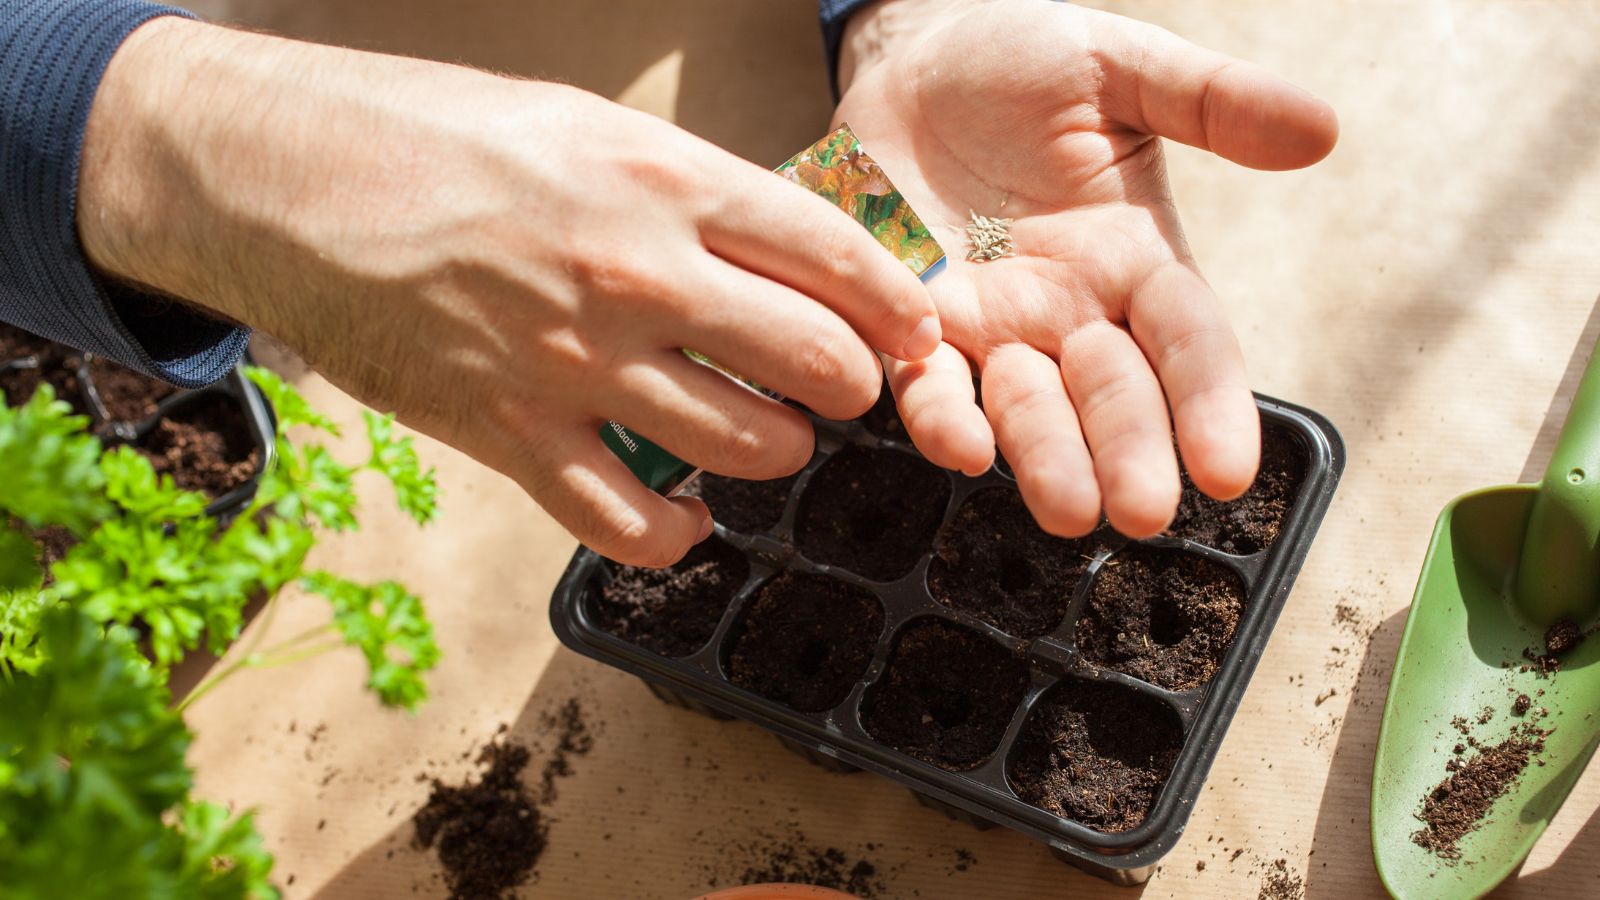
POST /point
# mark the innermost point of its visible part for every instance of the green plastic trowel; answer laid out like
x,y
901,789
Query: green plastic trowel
x,y
1505,563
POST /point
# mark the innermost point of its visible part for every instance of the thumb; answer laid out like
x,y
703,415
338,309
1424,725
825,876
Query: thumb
x,y
1157,83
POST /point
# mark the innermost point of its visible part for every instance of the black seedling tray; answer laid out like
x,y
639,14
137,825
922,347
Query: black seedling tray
x,y
982,795
234,390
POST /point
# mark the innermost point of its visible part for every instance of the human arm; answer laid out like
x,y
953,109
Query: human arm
x,y
508,264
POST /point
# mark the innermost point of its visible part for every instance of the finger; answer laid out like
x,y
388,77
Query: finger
x,y
1124,420
589,491
793,236
1178,322
778,338
702,416
1158,83
937,407
1037,430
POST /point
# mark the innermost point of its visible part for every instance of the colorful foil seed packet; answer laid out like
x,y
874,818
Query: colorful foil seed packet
x,y
837,169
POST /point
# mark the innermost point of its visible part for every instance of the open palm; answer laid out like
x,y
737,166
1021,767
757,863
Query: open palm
x,y
1049,114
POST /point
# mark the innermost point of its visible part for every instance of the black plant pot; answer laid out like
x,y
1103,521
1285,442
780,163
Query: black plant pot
x,y
844,701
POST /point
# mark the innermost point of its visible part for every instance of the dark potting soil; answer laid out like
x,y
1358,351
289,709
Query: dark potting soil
x,y
805,641
55,369
489,832
994,562
1097,754
745,506
883,419
673,611
794,859
1162,616
573,738
205,447
126,395
873,512
947,695
1460,803
1248,524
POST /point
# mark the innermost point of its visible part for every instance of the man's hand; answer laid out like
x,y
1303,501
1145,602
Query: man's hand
x,y
506,264
1048,114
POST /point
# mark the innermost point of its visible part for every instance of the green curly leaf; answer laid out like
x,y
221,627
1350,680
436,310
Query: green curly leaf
x,y
290,407
389,626
50,464
416,491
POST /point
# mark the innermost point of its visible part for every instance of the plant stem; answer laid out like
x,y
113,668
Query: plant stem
x,y
278,654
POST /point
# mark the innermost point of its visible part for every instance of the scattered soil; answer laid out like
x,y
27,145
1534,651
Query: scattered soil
x,y
1281,883
1096,753
1163,616
205,447
873,512
746,506
805,641
126,395
947,695
1252,522
1561,637
573,738
1520,706
489,832
994,562
673,611
794,859
1461,802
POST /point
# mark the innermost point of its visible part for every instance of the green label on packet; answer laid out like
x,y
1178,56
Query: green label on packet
x,y
838,169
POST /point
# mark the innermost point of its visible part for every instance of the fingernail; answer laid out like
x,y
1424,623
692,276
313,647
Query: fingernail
x,y
705,530
922,340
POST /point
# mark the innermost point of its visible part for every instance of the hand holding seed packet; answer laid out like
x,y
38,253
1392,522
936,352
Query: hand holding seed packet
x,y
1025,134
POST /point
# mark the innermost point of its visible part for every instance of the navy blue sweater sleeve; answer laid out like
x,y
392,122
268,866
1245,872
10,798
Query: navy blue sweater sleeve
x,y
52,56
835,14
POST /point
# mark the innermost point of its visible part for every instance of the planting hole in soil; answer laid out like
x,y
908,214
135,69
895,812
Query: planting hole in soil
x,y
1163,616
947,695
1096,753
994,562
206,446
873,512
883,419
1252,522
126,395
672,611
746,506
805,641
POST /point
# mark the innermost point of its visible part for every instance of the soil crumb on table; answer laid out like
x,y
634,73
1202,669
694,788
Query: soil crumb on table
x,y
805,641
1252,522
488,832
573,738
794,859
1461,802
206,447
995,562
873,512
1281,882
673,611
1097,754
745,506
1162,616
947,695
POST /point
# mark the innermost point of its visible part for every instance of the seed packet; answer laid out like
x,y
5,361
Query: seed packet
x,y
838,169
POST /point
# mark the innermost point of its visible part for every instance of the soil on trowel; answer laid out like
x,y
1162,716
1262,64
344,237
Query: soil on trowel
x,y
805,641
873,512
1461,802
488,831
205,447
1252,522
994,562
1162,616
745,506
1097,754
673,611
126,395
947,695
